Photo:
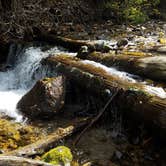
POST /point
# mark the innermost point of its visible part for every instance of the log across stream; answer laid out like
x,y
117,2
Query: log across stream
x,y
145,101
147,66
134,97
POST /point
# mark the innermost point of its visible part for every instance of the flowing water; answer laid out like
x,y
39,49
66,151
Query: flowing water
x,y
157,91
15,82
25,70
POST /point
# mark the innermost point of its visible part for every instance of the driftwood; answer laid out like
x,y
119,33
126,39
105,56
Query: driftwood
x,y
71,44
46,143
20,161
132,97
153,67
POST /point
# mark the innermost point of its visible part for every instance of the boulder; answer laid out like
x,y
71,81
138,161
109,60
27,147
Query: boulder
x,y
45,99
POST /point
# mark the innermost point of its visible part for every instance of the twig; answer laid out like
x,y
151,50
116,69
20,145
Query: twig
x,y
95,118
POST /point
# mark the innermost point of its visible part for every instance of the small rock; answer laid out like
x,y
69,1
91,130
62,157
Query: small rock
x,y
83,52
118,154
87,164
122,42
44,99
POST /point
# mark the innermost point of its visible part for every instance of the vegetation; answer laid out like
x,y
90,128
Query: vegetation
x,y
134,11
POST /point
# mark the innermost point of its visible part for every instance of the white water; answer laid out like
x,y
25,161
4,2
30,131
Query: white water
x,y
156,91
16,82
112,71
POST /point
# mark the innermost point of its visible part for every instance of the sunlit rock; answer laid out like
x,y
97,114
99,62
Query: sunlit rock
x,y
44,99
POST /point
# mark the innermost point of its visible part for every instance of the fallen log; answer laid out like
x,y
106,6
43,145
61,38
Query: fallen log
x,y
153,67
71,44
20,161
47,143
134,97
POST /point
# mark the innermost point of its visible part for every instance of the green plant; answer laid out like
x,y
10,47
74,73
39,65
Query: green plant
x,y
132,11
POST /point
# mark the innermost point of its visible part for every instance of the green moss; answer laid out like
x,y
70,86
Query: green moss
x,y
14,135
58,155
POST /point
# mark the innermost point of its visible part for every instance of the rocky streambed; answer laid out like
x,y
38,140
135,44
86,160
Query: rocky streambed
x,y
49,93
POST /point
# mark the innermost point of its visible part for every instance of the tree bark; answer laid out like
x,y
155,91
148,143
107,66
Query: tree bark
x,y
153,67
20,161
132,97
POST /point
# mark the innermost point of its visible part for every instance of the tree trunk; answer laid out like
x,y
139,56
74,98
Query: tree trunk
x,y
135,98
145,66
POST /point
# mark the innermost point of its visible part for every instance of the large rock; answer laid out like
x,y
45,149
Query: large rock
x,y
44,99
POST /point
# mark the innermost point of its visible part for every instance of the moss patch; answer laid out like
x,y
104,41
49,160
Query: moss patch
x,y
58,155
14,135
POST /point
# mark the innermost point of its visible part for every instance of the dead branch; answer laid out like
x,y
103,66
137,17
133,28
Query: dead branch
x,y
101,112
46,143
20,161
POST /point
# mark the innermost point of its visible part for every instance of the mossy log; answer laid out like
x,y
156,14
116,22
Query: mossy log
x,y
47,143
20,161
132,96
153,67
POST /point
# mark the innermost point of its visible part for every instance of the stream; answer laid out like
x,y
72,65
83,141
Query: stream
x,y
25,69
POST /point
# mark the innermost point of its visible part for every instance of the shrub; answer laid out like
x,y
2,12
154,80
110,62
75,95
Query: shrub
x,y
132,11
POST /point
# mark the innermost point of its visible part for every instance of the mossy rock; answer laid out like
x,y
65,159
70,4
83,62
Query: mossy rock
x,y
58,155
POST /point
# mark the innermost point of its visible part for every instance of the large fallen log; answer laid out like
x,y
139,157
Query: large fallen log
x,y
20,161
134,97
47,143
153,67
71,44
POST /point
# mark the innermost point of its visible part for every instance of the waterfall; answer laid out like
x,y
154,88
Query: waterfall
x,y
24,70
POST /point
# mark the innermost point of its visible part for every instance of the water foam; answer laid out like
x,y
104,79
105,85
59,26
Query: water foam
x,y
16,82
156,91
